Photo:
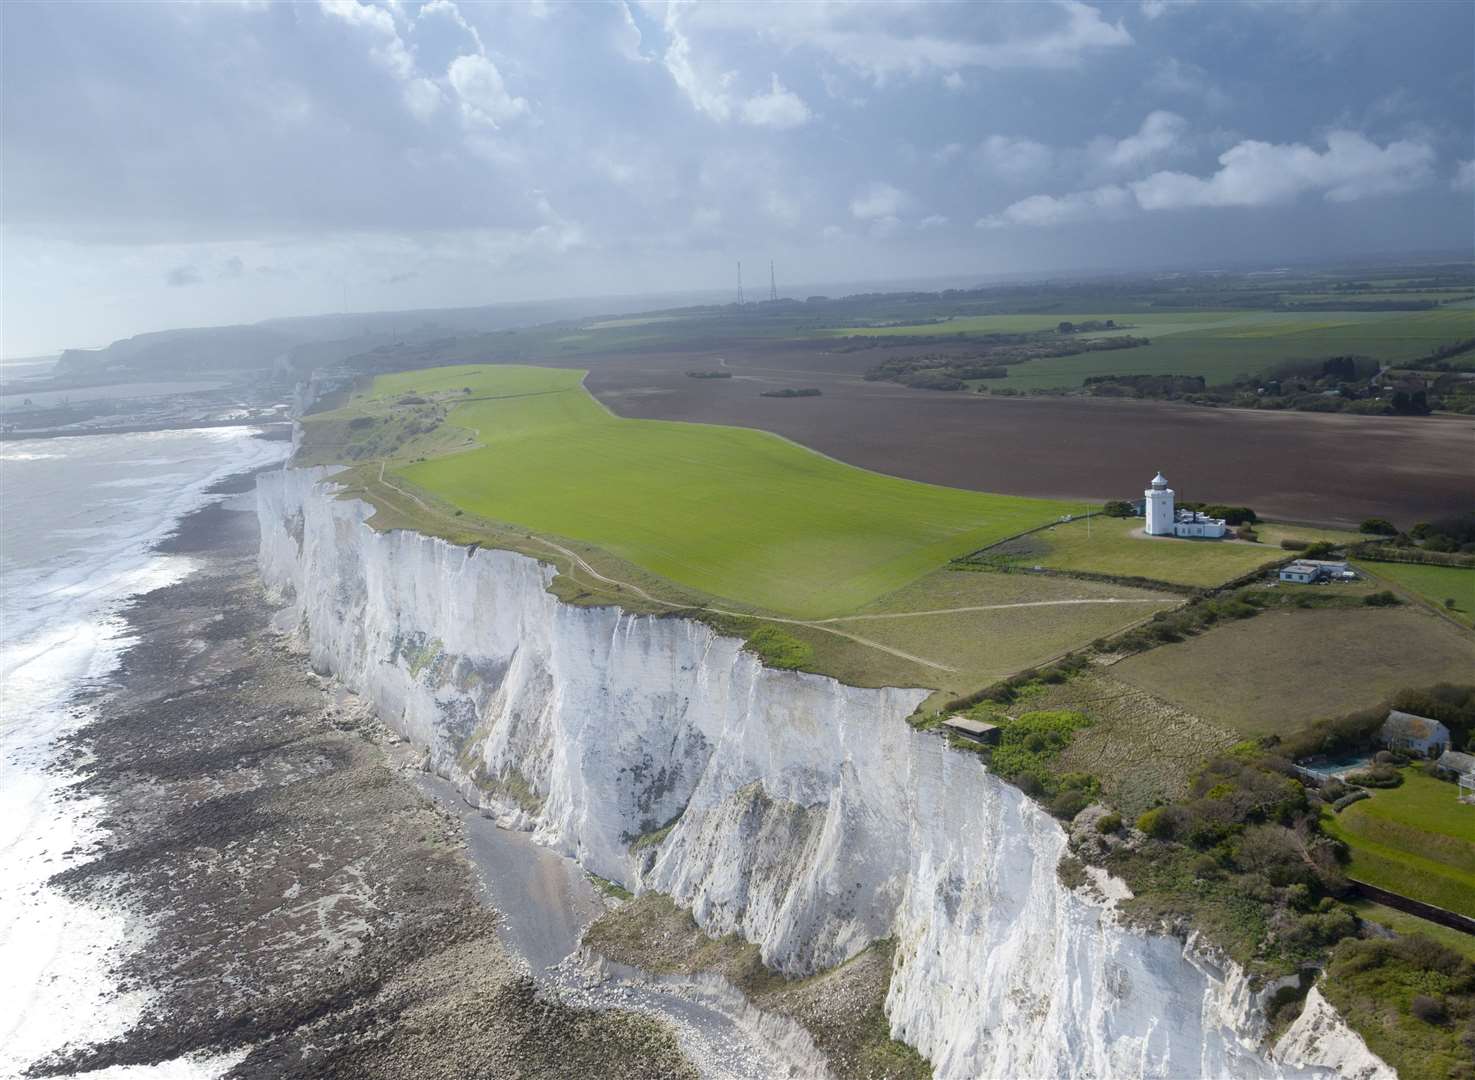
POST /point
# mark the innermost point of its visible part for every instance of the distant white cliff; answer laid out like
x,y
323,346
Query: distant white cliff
x,y
808,815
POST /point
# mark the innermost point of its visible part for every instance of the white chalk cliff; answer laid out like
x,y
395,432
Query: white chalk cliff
x,y
808,815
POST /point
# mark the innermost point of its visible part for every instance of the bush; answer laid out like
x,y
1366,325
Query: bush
x,y
1069,803
1428,1009
1109,823
1320,550
779,649
1379,776
1348,799
1381,599
1119,508
1290,543
1378,527
1157,823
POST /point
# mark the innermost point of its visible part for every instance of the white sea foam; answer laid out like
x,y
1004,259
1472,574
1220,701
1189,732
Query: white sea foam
x,y
74,545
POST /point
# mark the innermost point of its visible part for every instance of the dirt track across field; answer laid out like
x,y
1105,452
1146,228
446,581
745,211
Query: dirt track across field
x,y
1313,467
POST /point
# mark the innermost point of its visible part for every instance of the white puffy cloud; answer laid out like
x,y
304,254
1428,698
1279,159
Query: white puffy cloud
x,y
1161,134
1016,160
1109,201
483,93
1251,174
1254,173
778,108
1464,178
932,221
377,23
878,201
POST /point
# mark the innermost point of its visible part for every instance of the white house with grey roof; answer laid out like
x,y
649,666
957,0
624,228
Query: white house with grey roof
x,y
1414,734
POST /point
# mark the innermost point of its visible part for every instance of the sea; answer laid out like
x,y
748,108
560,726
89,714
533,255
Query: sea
x,y
79,520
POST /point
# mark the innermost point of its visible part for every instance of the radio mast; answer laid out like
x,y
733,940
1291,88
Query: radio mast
x,y
741,301
772,285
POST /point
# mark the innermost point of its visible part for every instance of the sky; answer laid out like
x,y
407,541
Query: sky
x,y
186,164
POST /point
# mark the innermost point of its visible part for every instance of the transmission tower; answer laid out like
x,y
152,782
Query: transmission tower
x,y
741,301
772,284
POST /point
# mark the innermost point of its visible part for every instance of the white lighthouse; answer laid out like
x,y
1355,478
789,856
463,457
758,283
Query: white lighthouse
x,y
1159,502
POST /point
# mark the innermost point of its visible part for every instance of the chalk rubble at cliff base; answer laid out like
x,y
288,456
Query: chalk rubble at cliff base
x,y
808,817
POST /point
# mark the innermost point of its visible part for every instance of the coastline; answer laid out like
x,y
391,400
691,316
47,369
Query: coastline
x,y
295,903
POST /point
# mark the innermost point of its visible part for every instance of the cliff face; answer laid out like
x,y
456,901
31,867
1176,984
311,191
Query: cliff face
x,y
807,815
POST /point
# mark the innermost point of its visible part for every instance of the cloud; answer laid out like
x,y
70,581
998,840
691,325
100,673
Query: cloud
x,y
448,10
708,93
947,152
953,81
932,221
1161,133
1464,178
1255,173
1014,159
882,41
1174,76
484,96
181,276
1156,9
1251,174
389,49
779,108
1110,201
878,201
233,267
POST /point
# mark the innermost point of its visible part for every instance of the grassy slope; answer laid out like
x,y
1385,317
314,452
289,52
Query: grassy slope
x,y
1415,839
728,511
1401,922
1109,547
1282,669
1434,583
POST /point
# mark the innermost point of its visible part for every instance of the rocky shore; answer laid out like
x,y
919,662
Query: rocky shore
x,y
298,905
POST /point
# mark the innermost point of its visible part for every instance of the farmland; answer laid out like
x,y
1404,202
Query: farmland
x,y
1415,839
726,512
1282,669
1116,546
1436,584
1215,344
1408,468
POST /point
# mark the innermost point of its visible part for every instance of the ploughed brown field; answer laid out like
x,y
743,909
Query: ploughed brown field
x,y
1312,467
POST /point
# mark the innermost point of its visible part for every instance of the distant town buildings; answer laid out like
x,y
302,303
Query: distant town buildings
x,y
1414,734
1164,520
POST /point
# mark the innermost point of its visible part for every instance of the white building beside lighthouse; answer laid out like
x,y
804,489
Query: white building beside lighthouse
x,y
1164,520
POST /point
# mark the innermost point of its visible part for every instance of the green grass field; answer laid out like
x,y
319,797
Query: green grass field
x,y
729,512
1416,839
1113,546
1435,584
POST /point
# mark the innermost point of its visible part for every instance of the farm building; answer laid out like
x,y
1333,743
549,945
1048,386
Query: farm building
x,y
1414,734
1163,520
1306,571
976,730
